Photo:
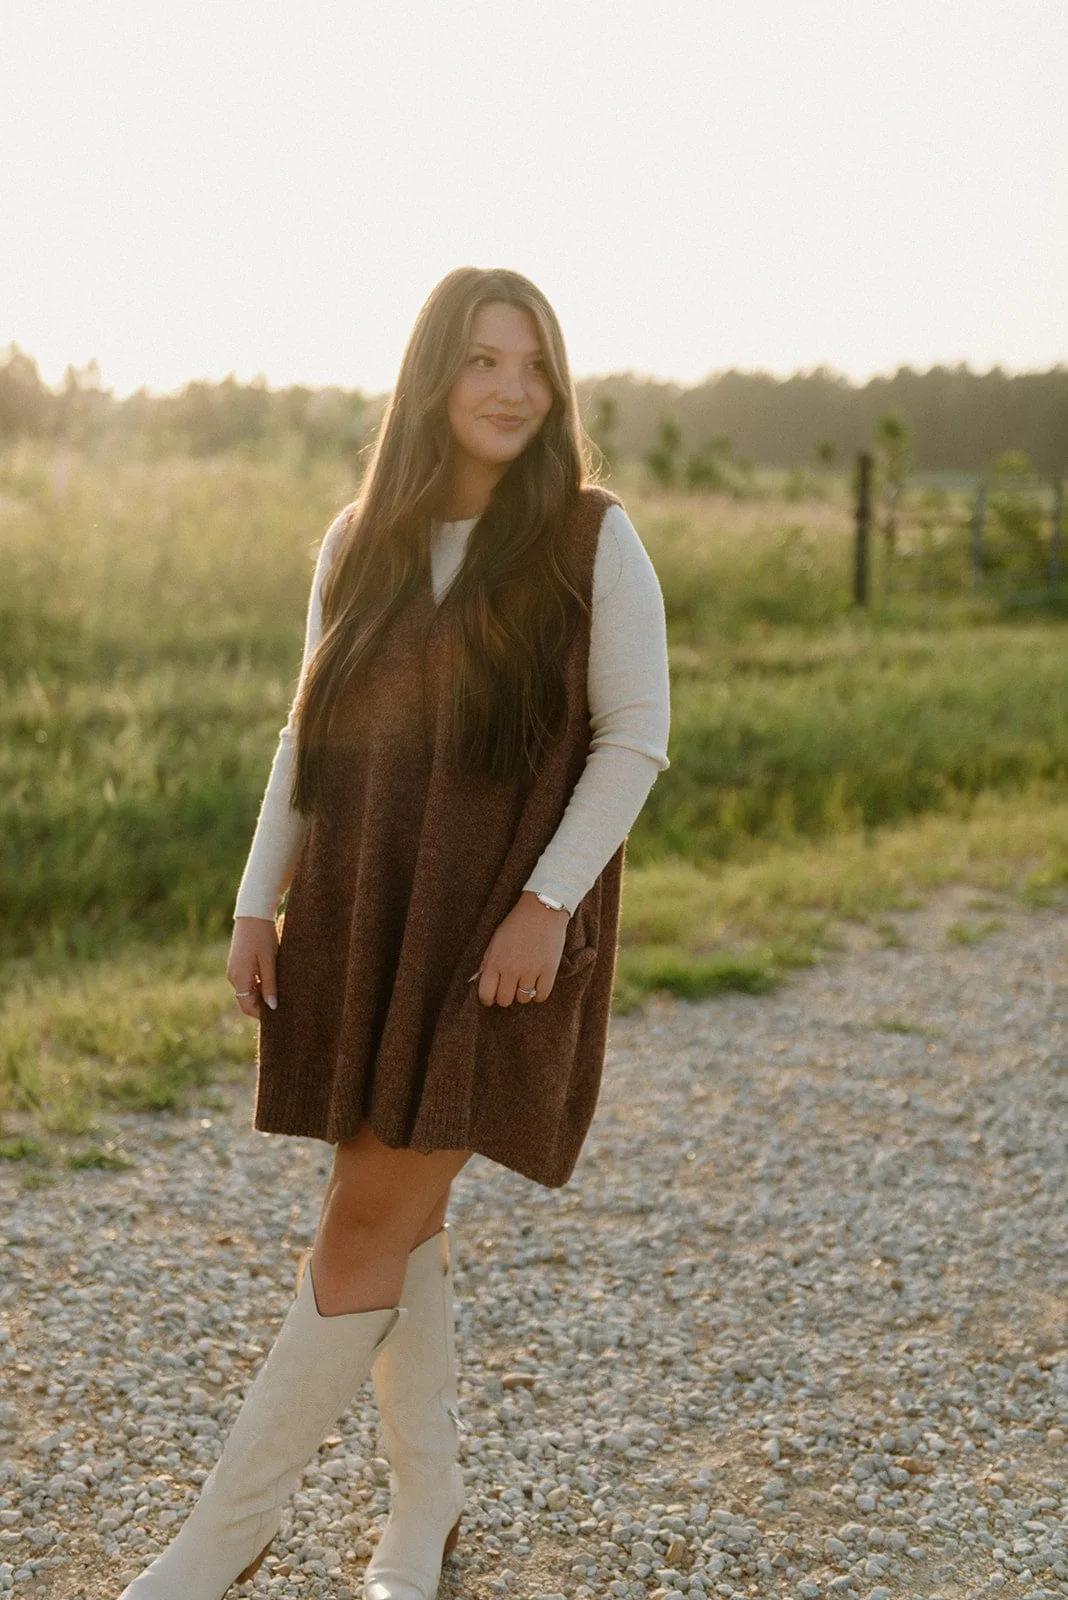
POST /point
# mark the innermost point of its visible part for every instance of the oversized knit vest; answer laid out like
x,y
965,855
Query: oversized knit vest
x,y
407,869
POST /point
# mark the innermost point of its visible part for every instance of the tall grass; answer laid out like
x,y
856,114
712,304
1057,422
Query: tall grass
x,y
150,630
772,746
150,633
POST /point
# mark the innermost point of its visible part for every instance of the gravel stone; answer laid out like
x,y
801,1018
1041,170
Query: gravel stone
x,y
798,1325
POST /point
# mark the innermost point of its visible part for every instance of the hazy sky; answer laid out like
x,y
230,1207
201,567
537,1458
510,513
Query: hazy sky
x,y
192,189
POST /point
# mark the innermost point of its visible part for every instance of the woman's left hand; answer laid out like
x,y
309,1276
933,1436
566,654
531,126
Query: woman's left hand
x,y
523,954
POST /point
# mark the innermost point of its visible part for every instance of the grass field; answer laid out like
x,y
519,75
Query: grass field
x,y
826,766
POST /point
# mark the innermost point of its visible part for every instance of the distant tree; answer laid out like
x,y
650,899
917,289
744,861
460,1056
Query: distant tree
x,y
893,443
706,469
603,427
663,459
81,404
957,418
334,423
25,402
1016,509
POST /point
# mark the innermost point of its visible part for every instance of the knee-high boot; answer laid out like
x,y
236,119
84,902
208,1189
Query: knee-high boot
x,y
415,1384
309,1377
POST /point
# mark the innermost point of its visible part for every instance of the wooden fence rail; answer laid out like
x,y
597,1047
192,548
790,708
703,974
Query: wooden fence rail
x,y
1013,529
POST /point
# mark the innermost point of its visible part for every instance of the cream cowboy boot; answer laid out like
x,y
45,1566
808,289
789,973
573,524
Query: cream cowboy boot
x,y
415,1382
311,1374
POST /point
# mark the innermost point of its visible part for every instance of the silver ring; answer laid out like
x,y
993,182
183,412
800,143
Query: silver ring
x,y
243,994
531,992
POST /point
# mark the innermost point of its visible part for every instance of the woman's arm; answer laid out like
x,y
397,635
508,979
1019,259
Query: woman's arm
x,y
629,715
280,830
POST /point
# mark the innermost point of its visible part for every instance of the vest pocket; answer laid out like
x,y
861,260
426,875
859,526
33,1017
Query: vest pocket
x,y
576,960
582,938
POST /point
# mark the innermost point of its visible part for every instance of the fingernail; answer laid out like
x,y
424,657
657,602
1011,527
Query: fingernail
x,y
272,1001
473,976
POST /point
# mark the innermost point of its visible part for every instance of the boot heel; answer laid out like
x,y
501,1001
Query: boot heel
x,y
254,1566
450,1542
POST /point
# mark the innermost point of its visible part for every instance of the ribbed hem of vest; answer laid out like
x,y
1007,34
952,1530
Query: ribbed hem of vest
x,y
275,1118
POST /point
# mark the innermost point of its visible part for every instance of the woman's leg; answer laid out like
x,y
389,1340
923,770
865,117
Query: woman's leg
x,y
435,1221
378,1205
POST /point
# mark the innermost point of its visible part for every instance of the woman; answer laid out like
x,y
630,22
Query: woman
x,y
481,712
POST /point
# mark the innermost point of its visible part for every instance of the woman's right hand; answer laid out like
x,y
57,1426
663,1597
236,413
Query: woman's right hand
x,y
251,967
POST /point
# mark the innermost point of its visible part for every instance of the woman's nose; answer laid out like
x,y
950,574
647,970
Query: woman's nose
x,y
510,383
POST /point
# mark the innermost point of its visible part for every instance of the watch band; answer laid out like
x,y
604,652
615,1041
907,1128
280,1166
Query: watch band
x,y
548,900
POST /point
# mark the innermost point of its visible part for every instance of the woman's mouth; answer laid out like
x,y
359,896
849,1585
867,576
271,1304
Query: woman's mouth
x,y
506,424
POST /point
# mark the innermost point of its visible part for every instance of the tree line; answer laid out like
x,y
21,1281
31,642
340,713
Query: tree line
x,y
956,419
199,419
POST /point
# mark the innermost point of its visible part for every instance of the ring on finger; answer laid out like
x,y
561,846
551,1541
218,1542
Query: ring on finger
x,y
243,994
530,993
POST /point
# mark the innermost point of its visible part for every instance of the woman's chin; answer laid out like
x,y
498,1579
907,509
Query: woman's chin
x,y
504,456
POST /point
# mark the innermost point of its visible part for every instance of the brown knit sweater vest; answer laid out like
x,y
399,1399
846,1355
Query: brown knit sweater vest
x,y
407,870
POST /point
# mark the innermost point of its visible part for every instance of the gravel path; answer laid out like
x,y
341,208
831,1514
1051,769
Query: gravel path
x,y
798,1326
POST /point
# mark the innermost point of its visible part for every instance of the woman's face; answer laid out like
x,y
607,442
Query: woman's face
x,y
503,393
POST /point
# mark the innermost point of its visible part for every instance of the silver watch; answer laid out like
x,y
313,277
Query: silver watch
x,y
547,900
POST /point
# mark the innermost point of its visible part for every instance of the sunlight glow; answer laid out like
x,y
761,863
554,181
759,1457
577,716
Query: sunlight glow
x,y
192,189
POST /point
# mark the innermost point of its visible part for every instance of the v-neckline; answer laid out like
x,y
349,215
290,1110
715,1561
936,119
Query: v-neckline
x,y
459,522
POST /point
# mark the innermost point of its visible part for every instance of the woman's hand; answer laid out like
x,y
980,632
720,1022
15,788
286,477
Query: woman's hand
x,y
251,967
524,953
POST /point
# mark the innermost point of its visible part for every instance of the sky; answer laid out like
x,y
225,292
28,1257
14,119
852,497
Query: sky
x,y
189,190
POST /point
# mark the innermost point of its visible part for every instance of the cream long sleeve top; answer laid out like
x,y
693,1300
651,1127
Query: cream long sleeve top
x,y
629,720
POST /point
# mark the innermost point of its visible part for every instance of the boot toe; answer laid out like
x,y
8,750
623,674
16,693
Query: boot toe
x,y
388,1589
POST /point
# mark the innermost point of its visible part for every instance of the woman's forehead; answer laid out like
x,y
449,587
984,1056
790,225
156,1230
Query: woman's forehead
x,y
498,326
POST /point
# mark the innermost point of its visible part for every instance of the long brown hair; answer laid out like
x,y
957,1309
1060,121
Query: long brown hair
x,y
516,600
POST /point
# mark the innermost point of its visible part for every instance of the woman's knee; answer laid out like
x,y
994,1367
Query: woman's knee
x,y
379,1193
360,1230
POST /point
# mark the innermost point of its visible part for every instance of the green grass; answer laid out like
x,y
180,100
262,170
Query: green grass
x,y
884,730
789,904
827,767
106,1158
149,637
974,932
22,1149
143,1029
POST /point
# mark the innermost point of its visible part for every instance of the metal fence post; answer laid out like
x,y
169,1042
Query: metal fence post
x,y
862,563
978,524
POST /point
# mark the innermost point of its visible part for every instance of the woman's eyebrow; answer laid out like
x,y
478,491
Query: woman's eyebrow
x,y
478,345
